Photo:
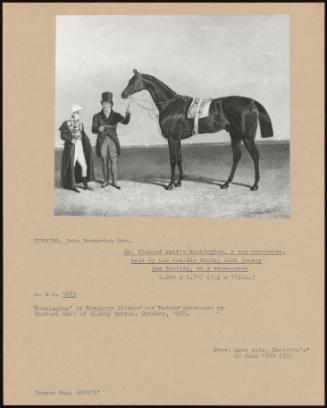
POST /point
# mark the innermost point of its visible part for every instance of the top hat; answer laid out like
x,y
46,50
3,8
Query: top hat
x,y
106,97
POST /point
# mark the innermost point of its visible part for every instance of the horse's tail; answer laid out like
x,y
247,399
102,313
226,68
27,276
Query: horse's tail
x,y
264,120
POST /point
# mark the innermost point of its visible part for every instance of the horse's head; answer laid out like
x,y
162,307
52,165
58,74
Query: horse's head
x,y
135,84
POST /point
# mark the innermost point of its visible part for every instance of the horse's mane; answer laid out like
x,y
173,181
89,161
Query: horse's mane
x,y
156,80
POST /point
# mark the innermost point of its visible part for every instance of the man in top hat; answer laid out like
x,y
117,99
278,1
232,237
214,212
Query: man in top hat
x,y
107,146
77,160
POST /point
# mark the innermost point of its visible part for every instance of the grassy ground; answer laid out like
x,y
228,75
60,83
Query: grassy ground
x,y
143,172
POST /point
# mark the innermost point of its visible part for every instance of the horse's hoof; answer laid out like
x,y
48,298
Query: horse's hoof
x,y
224,186
178,184
170,186
254,188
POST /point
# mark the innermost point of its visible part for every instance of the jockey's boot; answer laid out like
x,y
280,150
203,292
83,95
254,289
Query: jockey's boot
x,y
84,179
114,183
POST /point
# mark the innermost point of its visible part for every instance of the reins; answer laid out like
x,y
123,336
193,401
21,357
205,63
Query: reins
x,y
152,111
152,108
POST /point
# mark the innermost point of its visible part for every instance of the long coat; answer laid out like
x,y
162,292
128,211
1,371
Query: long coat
x,y
70,174
100,119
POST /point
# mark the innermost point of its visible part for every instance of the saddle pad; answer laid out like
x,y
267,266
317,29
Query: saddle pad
x,y
203,106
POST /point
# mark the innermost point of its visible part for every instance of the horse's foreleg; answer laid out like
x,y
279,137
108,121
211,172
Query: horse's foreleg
x,y
179,163
237,154
173,159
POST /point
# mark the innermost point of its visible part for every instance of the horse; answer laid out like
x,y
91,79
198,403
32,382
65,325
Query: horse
x,y
238,115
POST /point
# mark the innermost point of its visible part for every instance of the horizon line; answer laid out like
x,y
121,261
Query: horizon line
x,y
194,144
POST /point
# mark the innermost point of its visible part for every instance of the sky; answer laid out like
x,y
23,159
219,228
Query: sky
x,y
196,55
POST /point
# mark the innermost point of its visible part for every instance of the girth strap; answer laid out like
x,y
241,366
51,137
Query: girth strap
x,y
199,106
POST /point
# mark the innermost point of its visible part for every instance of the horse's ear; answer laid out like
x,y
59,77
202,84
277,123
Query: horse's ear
x,y
134,70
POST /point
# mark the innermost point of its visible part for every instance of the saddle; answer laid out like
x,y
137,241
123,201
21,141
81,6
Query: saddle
x,y
199,108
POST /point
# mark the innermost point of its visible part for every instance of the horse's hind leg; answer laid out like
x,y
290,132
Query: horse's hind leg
x,y
237,154
254,152
248,140
173,157
179,163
